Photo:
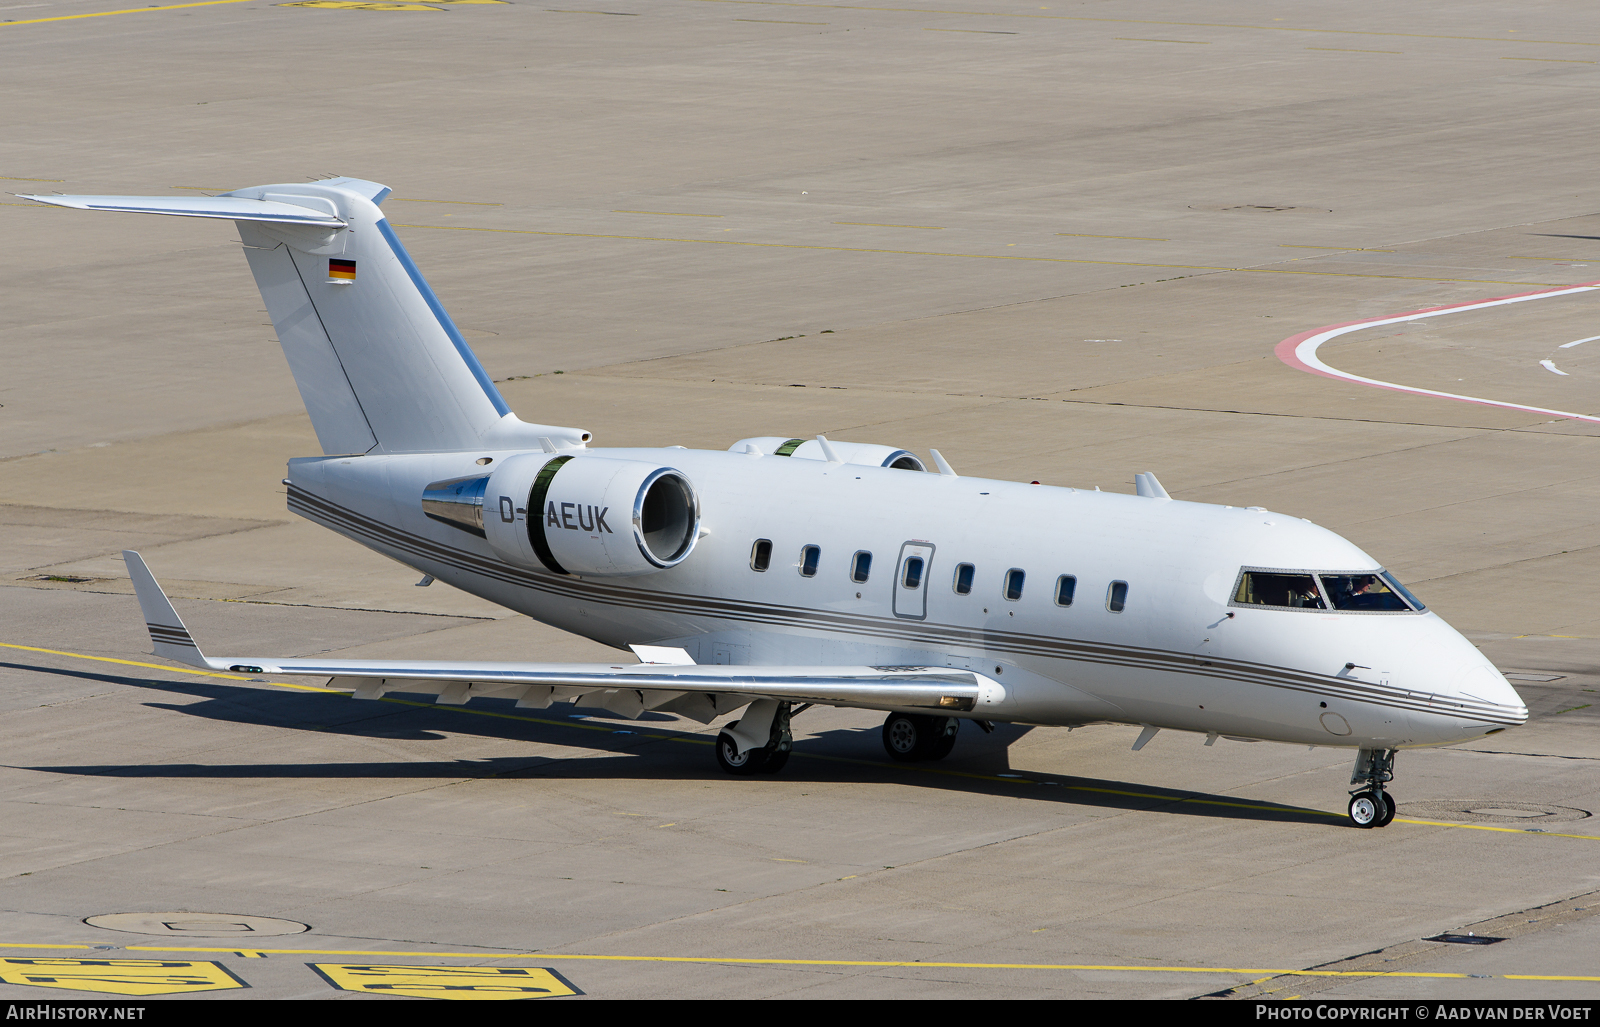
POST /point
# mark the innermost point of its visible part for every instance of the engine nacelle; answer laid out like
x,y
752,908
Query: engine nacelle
x,y
849,452
586,515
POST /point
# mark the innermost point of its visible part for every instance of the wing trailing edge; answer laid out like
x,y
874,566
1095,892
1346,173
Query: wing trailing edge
x,y
696,691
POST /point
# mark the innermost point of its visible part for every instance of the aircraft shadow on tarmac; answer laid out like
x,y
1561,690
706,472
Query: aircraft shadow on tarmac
x,y
637,749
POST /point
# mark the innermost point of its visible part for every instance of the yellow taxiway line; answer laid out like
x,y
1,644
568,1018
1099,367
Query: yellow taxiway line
x,y
130,10
657,736
481,957
872,963
1214,268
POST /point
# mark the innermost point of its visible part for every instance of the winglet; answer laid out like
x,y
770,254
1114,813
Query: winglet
x,y
167,632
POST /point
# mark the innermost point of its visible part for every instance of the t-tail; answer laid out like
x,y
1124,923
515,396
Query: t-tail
x,y
380,365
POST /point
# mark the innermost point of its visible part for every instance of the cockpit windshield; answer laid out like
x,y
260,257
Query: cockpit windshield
x,y
1359,592
1378,592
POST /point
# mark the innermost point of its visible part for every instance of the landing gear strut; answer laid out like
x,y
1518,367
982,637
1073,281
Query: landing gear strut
x,y
909,737
763,759
1370,805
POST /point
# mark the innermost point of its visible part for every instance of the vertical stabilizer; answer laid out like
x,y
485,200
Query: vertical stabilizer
x,y
405,380
379,364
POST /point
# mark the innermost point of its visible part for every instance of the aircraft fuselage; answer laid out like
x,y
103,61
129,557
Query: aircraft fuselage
x,y
1179,654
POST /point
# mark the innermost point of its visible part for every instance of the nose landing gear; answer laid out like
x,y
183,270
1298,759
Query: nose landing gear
x,y
1370,805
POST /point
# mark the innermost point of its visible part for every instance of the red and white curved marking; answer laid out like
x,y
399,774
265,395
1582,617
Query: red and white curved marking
x,y
1300,351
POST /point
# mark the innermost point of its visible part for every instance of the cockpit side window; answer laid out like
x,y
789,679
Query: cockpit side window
x,y
1369,592
1282,589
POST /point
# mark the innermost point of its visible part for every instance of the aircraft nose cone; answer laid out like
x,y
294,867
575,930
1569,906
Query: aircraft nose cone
x,y
1484,684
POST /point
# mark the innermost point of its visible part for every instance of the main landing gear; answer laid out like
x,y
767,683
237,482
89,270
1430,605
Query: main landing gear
x,y
766,721
759,742
910,737
1370,804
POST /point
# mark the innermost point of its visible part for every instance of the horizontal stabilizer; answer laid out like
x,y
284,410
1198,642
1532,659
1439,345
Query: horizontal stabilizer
x,y
233,208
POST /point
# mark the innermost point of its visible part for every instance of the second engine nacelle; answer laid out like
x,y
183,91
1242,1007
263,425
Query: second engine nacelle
x,y
848,452
591,516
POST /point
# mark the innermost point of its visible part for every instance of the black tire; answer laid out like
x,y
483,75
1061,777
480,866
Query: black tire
x,y
945,739
1388,810
1366,809
775,761
731,762
906,737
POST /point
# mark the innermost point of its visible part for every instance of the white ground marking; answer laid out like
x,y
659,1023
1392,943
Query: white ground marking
x,y
1577,342
1550,365
1301,351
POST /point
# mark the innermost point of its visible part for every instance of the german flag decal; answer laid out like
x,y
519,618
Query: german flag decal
x,y
341,270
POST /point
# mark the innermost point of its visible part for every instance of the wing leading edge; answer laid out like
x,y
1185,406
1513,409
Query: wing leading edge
x,y
674,684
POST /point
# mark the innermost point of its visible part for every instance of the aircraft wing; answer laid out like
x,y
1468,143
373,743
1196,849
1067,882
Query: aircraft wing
x,y
670,681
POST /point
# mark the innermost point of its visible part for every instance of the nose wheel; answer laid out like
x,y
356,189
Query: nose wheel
x,y
1371,805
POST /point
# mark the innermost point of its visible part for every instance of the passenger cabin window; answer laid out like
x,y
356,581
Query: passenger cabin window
x,y
761,554
1013,590
861,567
913,575
1370,592
1066,585
1117,596
808,561
1291,591
963,580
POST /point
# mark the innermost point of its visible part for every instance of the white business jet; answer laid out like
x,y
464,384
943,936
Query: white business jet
x,y
786,572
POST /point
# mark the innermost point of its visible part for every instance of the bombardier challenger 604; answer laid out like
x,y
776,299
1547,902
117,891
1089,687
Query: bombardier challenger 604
x,y
784,572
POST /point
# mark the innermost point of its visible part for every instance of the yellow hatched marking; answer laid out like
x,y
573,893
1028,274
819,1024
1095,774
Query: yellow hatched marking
x,y
118,976
452,982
